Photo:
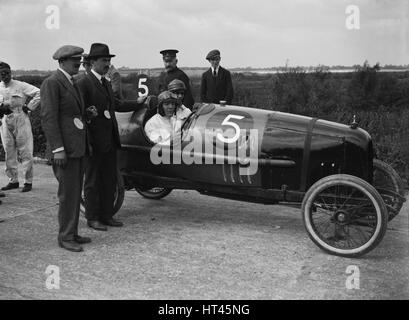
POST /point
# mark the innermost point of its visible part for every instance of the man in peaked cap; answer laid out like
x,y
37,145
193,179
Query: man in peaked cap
x,y
16,133
101,166
216,84
173,72
64,125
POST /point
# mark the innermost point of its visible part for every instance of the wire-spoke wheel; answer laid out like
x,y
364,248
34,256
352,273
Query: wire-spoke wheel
x,y
153,193
390,186
118,196
344,215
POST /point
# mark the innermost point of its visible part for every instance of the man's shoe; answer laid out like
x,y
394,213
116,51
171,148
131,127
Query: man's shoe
x,y
11,186
113,223
97,225
27,187
82,240
70,246
2,194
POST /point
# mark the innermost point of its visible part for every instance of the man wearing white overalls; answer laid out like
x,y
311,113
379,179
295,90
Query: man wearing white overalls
x,y
16,134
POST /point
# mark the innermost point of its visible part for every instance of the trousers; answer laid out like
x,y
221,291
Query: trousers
x,y
100,185
70,181
17,140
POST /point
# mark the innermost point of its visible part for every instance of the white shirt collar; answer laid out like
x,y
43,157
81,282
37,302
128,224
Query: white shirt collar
x,y
97,75
217,69
66,74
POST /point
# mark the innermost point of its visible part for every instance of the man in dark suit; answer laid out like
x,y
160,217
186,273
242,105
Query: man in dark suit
x,y
101,167
62,119
171,73
216,83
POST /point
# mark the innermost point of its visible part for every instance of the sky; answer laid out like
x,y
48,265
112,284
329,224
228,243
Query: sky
x,y
256,33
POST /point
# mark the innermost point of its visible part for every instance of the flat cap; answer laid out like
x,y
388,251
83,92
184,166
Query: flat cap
x,y
213,54
4,65
68,51
169,53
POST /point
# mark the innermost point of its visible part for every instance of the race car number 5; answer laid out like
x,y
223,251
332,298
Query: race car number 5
x,y
143,87
236,127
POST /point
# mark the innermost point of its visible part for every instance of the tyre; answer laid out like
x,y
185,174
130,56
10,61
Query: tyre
x,y
153,193
344,215
390,186
118,197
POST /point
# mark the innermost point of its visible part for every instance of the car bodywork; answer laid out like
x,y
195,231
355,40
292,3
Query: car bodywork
x,y
293,152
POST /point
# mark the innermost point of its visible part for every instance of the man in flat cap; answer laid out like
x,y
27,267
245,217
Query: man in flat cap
x,y
16,134
101,167
172,72
216,82
64,125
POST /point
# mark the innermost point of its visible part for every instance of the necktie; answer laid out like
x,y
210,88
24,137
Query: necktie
x,y
214,73
74,84
105,83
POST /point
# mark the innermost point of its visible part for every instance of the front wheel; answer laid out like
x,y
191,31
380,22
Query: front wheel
x,y
118,196
344,215
153,193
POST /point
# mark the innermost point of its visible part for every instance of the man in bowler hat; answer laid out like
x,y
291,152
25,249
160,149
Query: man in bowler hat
x,y
171,73
101,166
62,119
216,82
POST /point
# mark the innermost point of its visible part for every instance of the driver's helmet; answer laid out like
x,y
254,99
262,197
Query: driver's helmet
x,y
165,96
176,85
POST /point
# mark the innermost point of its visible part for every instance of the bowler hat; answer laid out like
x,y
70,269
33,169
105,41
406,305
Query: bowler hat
x,y
99,50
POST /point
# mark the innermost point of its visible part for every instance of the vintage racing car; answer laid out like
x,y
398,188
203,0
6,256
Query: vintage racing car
x,y
326,168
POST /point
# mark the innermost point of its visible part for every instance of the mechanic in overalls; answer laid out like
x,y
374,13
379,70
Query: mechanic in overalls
x,y
16,134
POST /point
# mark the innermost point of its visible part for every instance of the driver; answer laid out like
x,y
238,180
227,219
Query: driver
x,y
167,123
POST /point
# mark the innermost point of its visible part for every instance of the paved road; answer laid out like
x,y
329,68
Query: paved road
x,y
187,246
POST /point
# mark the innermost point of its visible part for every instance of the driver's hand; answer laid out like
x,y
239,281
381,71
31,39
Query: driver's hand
x,y
60,159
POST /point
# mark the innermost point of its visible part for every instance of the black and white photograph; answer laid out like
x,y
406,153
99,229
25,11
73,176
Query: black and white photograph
x,y
204,154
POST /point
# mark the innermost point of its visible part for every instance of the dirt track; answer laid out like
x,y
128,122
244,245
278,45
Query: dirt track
x,y
187,246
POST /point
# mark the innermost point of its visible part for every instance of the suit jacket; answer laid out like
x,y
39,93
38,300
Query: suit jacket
x,y
61,104
166,77
213,89
104,135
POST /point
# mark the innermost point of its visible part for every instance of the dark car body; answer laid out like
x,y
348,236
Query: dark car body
x,y
293,152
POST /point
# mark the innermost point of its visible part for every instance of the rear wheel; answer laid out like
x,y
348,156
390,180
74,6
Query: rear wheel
x,y
344,215
390,186
153,193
